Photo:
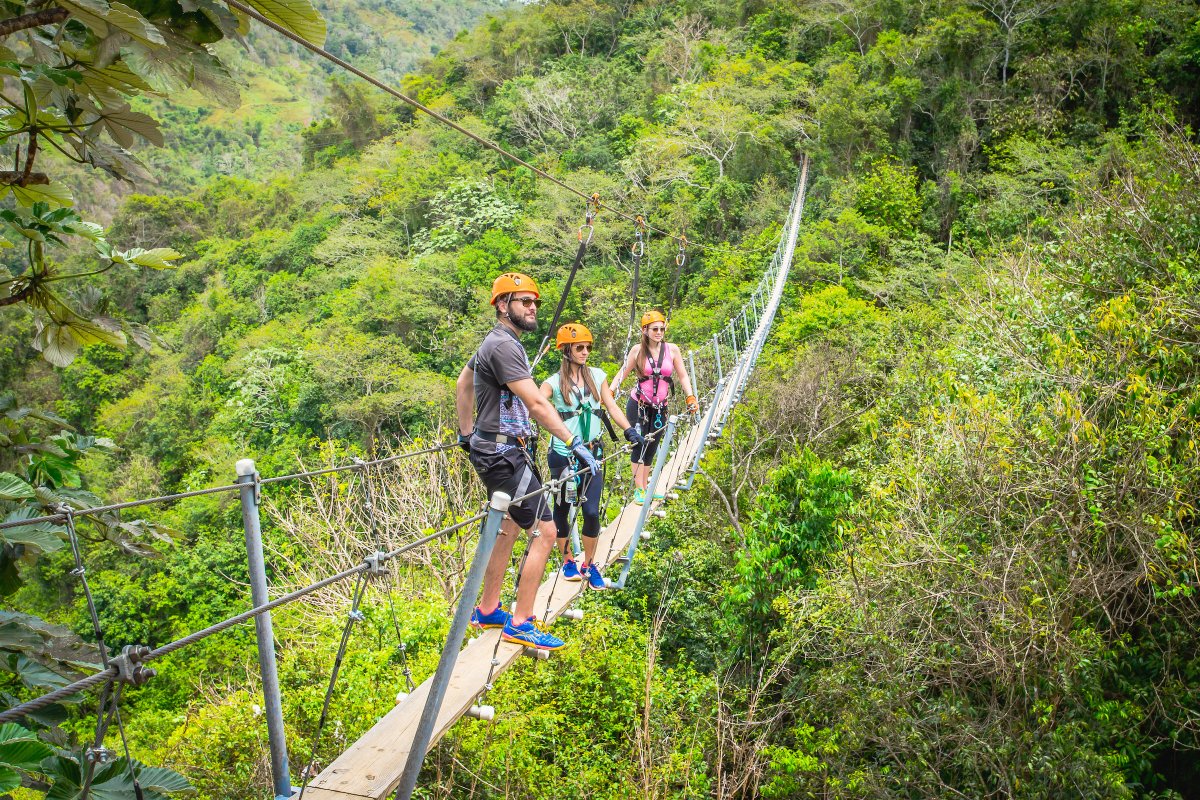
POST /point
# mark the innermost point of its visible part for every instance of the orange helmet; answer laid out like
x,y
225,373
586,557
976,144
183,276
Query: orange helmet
x,y
651,317
511,282
572,333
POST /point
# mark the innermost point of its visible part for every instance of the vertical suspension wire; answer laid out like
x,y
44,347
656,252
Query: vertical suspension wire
x,y
681,257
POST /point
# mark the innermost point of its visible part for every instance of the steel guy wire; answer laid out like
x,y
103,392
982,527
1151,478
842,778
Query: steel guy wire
x,y
169,498
490,145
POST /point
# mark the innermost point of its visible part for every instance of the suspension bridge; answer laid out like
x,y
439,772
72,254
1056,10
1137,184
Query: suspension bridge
x,y
388,757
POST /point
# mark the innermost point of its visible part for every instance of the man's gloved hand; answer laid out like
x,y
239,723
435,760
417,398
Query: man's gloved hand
x,y
579,449
634,437
464,441
693,405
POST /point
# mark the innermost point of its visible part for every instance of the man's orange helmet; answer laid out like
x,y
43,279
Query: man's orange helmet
x,y
511,282
651,317
572,333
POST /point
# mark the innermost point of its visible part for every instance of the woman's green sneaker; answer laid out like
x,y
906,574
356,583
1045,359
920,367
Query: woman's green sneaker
x,y
639,496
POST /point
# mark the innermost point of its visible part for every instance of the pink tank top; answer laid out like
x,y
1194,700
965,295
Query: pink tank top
x,y
654,389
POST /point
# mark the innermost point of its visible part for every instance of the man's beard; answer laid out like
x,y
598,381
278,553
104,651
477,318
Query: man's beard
x,y
524,323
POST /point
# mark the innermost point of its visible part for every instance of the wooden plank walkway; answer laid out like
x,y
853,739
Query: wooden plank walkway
x,y
372,766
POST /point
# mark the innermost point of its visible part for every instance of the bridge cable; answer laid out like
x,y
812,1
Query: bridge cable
x,y
593,206
323,53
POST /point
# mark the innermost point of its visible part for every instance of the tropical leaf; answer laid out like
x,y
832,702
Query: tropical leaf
x,y
52,193
31,537
9,779
298,16
160,779
121,123
157,258
33,674
24,754
13,488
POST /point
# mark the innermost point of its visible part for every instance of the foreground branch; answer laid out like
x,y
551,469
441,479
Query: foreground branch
x,y
47,16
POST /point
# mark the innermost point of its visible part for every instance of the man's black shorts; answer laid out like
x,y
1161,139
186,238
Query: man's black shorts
x,y
510,472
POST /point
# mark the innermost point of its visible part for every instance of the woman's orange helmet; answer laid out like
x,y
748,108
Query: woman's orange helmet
x,y
651,317
511,282
572,333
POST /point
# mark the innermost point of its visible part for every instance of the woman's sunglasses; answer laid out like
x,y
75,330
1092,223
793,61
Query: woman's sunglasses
x,y
657,329
583,348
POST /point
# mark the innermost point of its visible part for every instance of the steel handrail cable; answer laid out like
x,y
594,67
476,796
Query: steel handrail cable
x,y
18,711
378,84
170,498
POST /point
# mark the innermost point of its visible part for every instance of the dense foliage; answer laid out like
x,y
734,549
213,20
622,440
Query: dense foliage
x,y
946,548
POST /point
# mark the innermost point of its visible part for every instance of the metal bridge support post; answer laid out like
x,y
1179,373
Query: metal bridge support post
x,y
708,421
497,508
733,338
692,372
717,352
281,779
663,447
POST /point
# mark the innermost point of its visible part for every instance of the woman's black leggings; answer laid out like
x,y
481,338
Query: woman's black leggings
x,y
649,420
588,489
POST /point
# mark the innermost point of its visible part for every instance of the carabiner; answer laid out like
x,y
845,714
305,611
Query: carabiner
x,y
681,256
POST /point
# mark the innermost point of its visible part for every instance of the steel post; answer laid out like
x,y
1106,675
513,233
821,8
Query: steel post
x,y
717,353
692,372
708,421
663,447
458,628
281,778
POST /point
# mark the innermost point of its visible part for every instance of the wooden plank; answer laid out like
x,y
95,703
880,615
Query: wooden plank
x,y
372,766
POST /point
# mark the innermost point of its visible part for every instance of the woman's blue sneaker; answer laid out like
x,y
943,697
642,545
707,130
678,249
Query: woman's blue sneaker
x,y
531,634
595,579
494,619
570,571
639,496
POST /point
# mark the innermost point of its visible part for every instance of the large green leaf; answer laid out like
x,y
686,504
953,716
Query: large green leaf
x,y
12,732
160,779
24,754
121,122
298,16
33,674
52,193
9,779
157,258
31,537
13,488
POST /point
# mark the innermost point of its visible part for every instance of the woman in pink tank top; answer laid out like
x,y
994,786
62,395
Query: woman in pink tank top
x,y
657,365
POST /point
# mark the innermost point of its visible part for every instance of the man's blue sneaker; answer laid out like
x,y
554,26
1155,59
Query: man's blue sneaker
x,y
570,570
595,579
531,634
494,619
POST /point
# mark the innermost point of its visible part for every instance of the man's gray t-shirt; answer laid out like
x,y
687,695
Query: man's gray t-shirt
x,y
500,360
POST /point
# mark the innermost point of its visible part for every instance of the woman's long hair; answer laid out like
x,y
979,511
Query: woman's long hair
x,y
566,385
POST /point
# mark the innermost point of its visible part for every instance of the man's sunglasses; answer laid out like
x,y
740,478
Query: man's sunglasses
x,y
536,302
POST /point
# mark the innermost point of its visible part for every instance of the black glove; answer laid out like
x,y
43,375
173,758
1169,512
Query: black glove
x,y
634,437
464,441
579,449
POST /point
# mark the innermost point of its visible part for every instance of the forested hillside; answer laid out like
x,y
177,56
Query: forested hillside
x,y
948,545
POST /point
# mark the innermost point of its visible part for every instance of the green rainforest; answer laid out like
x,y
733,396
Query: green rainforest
x,y
947,545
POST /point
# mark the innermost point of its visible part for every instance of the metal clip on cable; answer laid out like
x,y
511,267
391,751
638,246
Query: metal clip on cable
x,y
129,665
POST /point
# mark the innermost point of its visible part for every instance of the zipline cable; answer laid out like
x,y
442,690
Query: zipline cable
x,y
378,84
593,205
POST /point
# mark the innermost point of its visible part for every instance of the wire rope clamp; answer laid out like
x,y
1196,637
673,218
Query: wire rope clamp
x,y
672,495
483,713
98,755
536,653
377,564
130,668
573,613
645,536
